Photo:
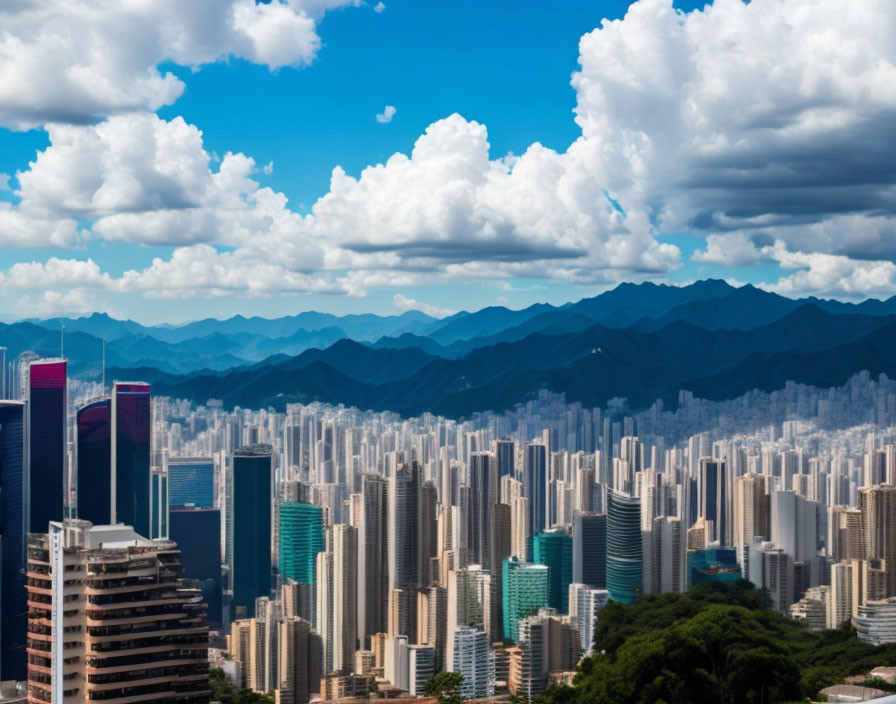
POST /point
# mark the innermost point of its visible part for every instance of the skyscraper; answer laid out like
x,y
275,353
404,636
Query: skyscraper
x,y
249,505
751,509
131,422
589,549
197,532
373,557
13,532
525,590
505,455
191,481
878,507
474,660
535,487
46,442
404,522
301,538
624,550
483,496
713,497
345,595
554,549
94,450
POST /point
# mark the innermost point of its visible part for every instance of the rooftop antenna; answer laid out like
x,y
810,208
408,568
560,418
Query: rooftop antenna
x,y
104,365
62,342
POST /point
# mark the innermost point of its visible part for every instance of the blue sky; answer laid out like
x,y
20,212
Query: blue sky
x,y
503,64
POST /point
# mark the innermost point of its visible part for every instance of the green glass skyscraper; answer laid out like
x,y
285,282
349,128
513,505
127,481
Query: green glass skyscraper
x,y
524,590
301,538
554,549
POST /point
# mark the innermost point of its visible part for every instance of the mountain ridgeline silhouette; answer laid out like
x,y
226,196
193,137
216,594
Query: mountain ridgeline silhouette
x,y
638,341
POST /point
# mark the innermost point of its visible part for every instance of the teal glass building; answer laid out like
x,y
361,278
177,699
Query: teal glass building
x,y
301,538
624,551
524,590
553,548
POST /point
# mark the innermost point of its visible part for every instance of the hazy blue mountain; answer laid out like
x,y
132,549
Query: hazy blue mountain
x,y
591,365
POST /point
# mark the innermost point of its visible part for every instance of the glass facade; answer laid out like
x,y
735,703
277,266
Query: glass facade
x,y
94,429
132,420
250,502
13,607
624,551
524,590
301,538
589,546
553,548
191,481
713,565
535,488
47,408
197,532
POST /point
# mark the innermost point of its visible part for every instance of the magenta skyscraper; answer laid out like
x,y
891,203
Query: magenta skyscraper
x,y
131,421
46,442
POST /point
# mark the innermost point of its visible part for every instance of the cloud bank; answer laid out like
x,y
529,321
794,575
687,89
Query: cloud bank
x,y
766,127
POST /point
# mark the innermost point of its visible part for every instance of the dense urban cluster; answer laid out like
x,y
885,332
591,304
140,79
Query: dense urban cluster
x,y
332,553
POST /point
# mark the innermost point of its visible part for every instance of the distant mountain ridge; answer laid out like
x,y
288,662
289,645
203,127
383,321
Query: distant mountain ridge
x,y
637,341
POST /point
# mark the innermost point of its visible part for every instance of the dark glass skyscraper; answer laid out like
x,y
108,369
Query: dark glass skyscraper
x,y
589,549
191,481
94,430
46,442
197,532
713,489
483,497
13,607
404,519
624,552
250,525
131,421
505,453
535,488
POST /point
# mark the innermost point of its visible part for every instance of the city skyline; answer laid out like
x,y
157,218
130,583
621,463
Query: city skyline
x,y
366,351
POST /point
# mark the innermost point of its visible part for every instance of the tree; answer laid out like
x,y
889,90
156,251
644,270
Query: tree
x,y
445,686
223,691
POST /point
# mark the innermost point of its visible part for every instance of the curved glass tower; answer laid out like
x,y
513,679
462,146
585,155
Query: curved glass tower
x,y
624,554
94,428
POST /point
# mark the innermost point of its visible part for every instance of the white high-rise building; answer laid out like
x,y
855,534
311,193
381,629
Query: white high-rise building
x,y
585,603
472,657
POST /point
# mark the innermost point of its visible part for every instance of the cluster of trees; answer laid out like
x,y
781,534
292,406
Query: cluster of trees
x,y
224,692
717,643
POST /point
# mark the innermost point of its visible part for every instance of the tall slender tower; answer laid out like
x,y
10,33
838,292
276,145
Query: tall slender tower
x,y
404,527
131,423
345,596
483,496
535,487
94,433
373,558
249,505
46,442
624,548
13,536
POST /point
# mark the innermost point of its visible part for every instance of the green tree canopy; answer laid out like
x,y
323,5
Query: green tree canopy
x,y
717,643
445,686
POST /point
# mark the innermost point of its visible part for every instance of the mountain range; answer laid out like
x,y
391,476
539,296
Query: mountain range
x,y
637,341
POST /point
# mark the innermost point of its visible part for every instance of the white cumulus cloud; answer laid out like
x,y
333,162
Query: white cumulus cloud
x,y
63,61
